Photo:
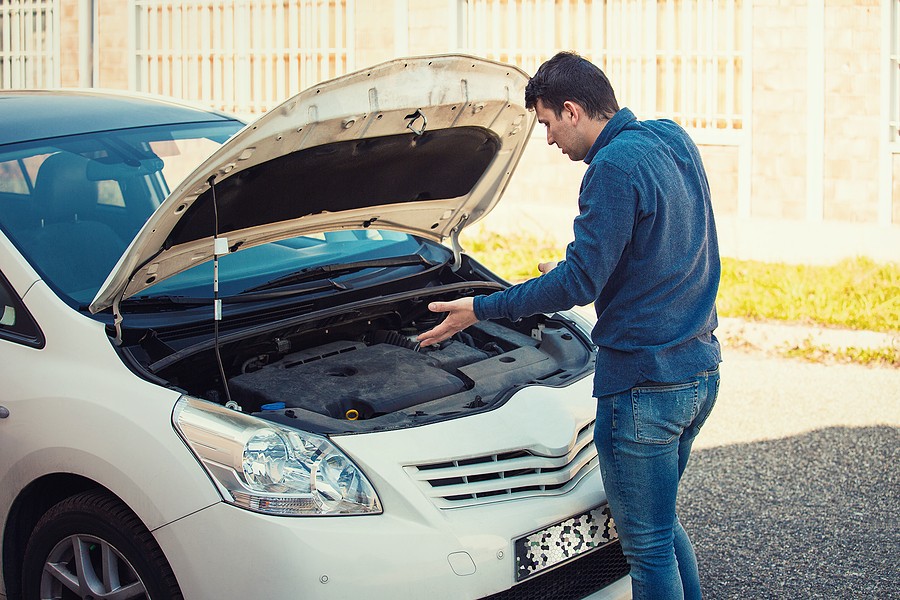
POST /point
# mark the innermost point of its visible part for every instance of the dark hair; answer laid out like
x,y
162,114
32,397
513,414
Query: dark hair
x,y
568,76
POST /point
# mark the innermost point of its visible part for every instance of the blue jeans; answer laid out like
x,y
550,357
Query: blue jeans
x,y
643,438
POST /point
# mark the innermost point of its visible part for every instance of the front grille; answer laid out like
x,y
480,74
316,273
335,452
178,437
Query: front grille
x,y
572,580
519,473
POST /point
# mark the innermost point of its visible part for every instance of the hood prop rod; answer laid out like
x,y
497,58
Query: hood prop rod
x,y
454,243
220,246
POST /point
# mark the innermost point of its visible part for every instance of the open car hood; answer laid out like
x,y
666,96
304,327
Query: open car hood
x,y
422,145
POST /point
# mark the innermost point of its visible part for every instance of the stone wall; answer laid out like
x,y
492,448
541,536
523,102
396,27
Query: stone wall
x,y
69,43
852,120
721,163
895,189
778,172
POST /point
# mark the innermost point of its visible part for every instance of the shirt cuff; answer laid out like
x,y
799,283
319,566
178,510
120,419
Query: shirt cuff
x,y
486,307
480,308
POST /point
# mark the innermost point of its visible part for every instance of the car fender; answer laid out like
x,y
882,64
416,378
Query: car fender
x,y
101,420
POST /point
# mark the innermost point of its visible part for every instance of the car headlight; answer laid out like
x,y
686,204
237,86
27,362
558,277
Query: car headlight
x,y
268,468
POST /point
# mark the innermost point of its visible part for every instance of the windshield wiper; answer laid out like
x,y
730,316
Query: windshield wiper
x,y
141,303
329,271
165,301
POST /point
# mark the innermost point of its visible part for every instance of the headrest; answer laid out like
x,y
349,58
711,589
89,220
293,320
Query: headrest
x,y
62,191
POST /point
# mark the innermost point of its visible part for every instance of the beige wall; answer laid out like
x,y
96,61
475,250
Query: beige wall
x,y
895,189
68,43
113,28
780,90
852,120
374,38
429,27
721,163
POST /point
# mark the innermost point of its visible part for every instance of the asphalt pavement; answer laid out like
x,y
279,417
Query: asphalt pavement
x,y
793,489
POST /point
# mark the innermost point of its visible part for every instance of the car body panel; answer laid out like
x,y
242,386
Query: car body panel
x,y
80,387
20,274
398,98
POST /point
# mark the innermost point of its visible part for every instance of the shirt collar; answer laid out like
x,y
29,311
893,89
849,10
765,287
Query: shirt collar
x,y
619,121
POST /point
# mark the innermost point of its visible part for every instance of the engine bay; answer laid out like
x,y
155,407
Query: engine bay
x,y
365,371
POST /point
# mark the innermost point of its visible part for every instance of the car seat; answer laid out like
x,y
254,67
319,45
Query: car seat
x,y
72,250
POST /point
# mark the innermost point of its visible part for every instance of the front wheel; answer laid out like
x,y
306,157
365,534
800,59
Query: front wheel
x,y
91,546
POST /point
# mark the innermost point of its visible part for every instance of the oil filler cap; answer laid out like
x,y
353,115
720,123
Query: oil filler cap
x,y
461,563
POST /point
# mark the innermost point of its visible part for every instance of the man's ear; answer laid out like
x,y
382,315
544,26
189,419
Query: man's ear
x,y
573,111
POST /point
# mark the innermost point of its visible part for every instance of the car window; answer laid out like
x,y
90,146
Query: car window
x,y
85,197
74,203
16,323
13,178
181,156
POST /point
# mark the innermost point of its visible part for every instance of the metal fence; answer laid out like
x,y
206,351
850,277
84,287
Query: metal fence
x,y
682,59
29,51
242,56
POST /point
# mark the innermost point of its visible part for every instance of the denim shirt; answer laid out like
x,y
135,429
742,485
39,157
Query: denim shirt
x,y
645,253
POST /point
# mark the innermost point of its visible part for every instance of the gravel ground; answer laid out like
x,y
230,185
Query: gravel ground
x,y
793,490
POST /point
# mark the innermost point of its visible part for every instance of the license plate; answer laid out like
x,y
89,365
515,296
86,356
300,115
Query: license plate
x,y
564,541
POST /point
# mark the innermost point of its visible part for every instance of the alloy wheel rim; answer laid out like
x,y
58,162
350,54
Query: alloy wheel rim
x,y
89,568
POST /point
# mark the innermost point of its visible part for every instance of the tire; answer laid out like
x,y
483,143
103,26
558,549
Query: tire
x,y
91,546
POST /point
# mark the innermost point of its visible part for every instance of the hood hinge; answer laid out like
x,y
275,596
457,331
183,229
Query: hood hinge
x,y
454,243
117,320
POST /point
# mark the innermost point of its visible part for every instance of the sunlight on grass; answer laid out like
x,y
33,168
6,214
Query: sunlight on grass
x,y
854,293
886,357
513,257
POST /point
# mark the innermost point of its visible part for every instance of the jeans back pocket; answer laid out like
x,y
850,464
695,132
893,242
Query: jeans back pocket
x,y
663,412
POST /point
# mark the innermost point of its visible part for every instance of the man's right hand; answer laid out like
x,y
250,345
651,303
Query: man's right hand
x,y
460,314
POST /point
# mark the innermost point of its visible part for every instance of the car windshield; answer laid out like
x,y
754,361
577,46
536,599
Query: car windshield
x,y
73,204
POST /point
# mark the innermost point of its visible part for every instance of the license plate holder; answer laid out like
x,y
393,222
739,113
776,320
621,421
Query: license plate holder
x,y
560,543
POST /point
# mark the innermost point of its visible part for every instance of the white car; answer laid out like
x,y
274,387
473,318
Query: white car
x,y
211,386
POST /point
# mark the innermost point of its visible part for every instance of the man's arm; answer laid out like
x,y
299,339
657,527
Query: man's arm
x,y
602,231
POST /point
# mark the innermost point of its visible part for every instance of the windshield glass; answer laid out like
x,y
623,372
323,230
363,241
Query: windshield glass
x,y
73,204
256,266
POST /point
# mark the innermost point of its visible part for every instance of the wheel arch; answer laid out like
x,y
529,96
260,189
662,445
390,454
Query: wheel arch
x,y
29,506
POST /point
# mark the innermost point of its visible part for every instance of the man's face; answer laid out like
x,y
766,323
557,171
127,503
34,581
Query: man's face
x,y
562,130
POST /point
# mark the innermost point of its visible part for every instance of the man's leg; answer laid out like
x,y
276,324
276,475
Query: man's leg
x,y
707,393
643,439
687,562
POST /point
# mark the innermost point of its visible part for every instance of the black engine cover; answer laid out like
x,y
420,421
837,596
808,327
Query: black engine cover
x,y
332,380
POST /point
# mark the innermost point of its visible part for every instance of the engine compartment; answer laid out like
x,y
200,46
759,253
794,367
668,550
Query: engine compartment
x,y
358,367
388,373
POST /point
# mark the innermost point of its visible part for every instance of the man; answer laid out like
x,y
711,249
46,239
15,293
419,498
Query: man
x,y
646,254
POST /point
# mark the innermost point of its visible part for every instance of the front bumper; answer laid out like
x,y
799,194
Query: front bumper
x,y
225,552
418,548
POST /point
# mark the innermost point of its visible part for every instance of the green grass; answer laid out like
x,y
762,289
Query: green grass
x,y
885,357
513,257
854,294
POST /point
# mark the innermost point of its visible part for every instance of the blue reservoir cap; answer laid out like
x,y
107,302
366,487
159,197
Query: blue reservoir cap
x,y
272,406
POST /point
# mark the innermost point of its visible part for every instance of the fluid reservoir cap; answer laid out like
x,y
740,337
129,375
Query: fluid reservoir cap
x,y
461,563
273,406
